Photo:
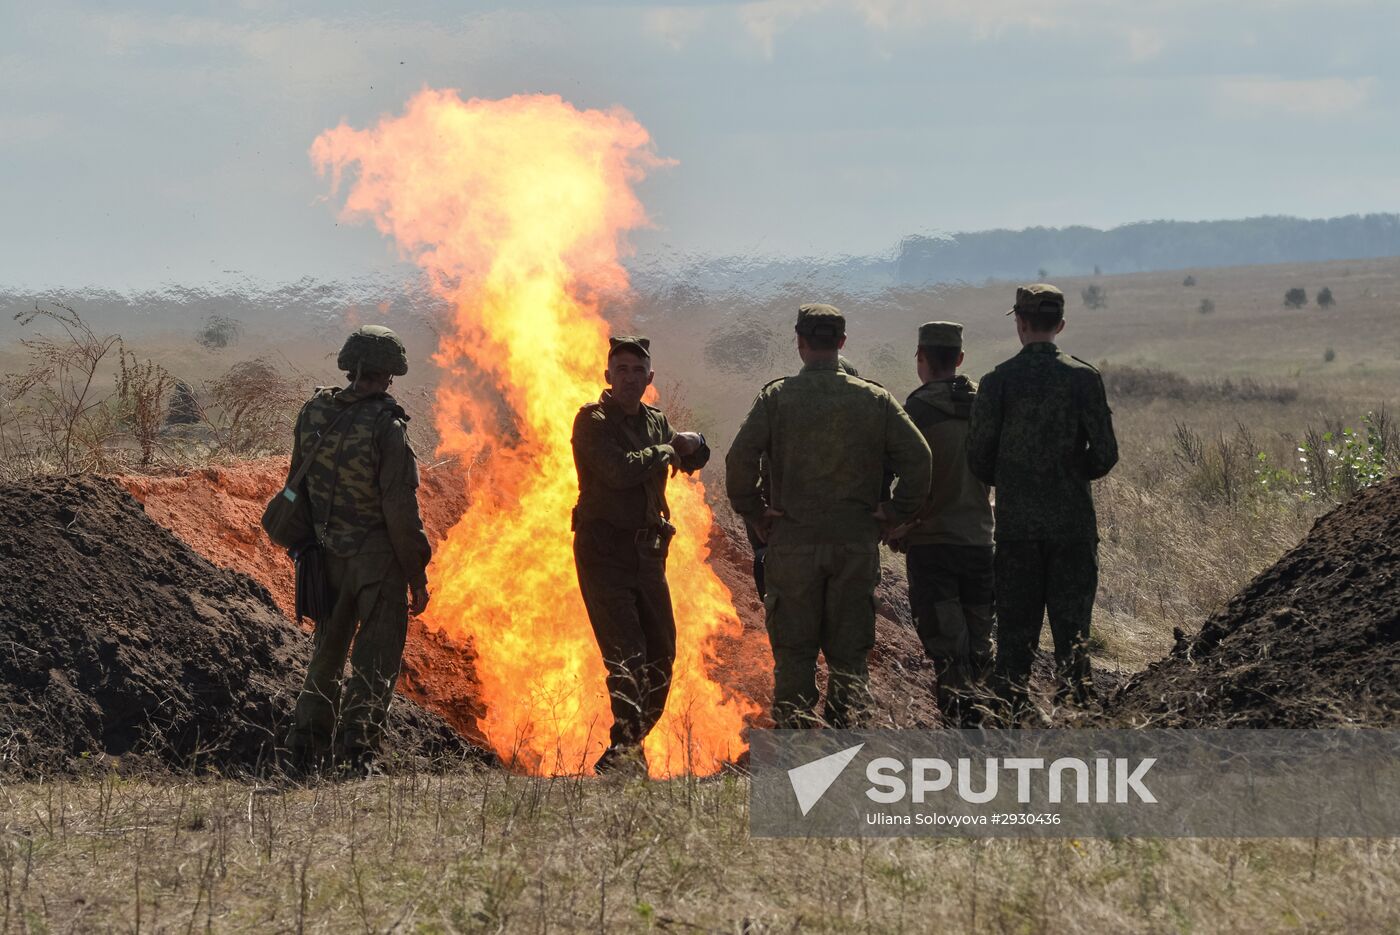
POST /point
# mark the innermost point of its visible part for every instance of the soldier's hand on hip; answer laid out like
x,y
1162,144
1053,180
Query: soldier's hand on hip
x,y
764,526
417,599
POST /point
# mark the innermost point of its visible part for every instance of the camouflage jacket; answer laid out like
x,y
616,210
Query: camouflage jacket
x,y
368,504
959,507
1041,430
827,437
622,463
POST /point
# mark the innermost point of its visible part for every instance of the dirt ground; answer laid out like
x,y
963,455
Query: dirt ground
x,y
120,642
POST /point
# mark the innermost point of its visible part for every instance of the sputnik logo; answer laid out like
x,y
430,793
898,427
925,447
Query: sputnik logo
x,y
811,780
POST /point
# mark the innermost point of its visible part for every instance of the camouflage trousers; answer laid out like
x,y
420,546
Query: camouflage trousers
x,y
820,599
368,623
629,605
951,591
1036,579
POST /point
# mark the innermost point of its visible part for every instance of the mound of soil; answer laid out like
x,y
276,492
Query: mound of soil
x,y
119,640
1313,641
216,510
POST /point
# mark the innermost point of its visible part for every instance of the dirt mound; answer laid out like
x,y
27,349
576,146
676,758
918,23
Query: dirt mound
x,y
216,510
119,640
1313,641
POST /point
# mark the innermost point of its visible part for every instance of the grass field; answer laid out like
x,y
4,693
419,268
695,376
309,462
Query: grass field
x,y
472,851
1184,525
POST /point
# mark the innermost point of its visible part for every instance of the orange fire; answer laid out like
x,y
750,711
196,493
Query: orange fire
x,y
516,210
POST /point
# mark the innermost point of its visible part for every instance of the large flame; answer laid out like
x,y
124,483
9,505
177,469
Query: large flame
x,y
516,210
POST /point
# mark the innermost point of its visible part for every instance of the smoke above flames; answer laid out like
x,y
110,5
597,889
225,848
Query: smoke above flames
x,y
517,210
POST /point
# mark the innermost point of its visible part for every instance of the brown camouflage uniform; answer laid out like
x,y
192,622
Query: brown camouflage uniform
x,y
363,492
949,553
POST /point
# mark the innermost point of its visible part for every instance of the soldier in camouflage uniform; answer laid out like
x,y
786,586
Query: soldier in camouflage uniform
x,y
827,437
766,491
623,451
363,492
1041,430
949,549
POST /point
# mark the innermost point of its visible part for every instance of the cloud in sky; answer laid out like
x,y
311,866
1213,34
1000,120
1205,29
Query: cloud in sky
x,y
801,126
1254,95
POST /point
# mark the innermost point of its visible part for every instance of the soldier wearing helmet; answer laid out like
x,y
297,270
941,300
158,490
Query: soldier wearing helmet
x,y
362,488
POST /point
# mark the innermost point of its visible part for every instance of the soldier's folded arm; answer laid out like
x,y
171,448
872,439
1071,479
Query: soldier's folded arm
x,y
907,453
984,430
692,462
597,448
742,465
398,495
1096,423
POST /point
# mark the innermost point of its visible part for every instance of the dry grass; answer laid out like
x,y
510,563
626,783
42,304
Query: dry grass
x,y
487,852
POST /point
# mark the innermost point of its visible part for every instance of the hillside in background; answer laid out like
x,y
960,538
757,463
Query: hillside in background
x,y
1143,247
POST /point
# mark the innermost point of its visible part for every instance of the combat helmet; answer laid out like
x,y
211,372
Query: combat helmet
x,y
373,348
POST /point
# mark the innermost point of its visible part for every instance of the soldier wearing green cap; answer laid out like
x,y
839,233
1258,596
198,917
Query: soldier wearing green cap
x,y
623,452
362,487
948,548
1041,430
826,437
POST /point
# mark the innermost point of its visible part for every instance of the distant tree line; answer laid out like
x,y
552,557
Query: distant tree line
x,y
1147,245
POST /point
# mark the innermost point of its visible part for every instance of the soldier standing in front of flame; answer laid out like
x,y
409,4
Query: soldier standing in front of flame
x,y
826,437
623,452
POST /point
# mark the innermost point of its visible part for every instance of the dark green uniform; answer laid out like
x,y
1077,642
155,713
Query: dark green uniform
x,y
1040,432
621,538
949,553
363,492
827,437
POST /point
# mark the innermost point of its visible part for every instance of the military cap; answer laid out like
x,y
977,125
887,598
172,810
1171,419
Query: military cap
x,y
820,321
1037,296
374,348
630,343
940,334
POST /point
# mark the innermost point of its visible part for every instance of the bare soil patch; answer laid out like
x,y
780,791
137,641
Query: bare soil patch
x,y
118,640
1313,641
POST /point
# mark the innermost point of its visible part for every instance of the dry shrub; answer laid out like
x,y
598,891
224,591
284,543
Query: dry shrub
x,y
252,408
1150,383
745,346
56,412
141,391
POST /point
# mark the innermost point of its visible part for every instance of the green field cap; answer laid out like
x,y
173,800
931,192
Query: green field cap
x,y
820,321
940,334
1040,295
634,345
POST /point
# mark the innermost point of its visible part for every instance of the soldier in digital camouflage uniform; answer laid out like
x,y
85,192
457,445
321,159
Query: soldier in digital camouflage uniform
x,y
363,493
827,438
948,551
765,490
1041,430
623,452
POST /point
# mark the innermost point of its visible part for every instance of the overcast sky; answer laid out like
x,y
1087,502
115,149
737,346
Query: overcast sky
x,y
167,141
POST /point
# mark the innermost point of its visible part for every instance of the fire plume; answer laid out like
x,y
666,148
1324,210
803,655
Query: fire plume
x,y
516,209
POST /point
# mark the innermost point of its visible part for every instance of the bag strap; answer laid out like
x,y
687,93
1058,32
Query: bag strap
x,y
316,440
